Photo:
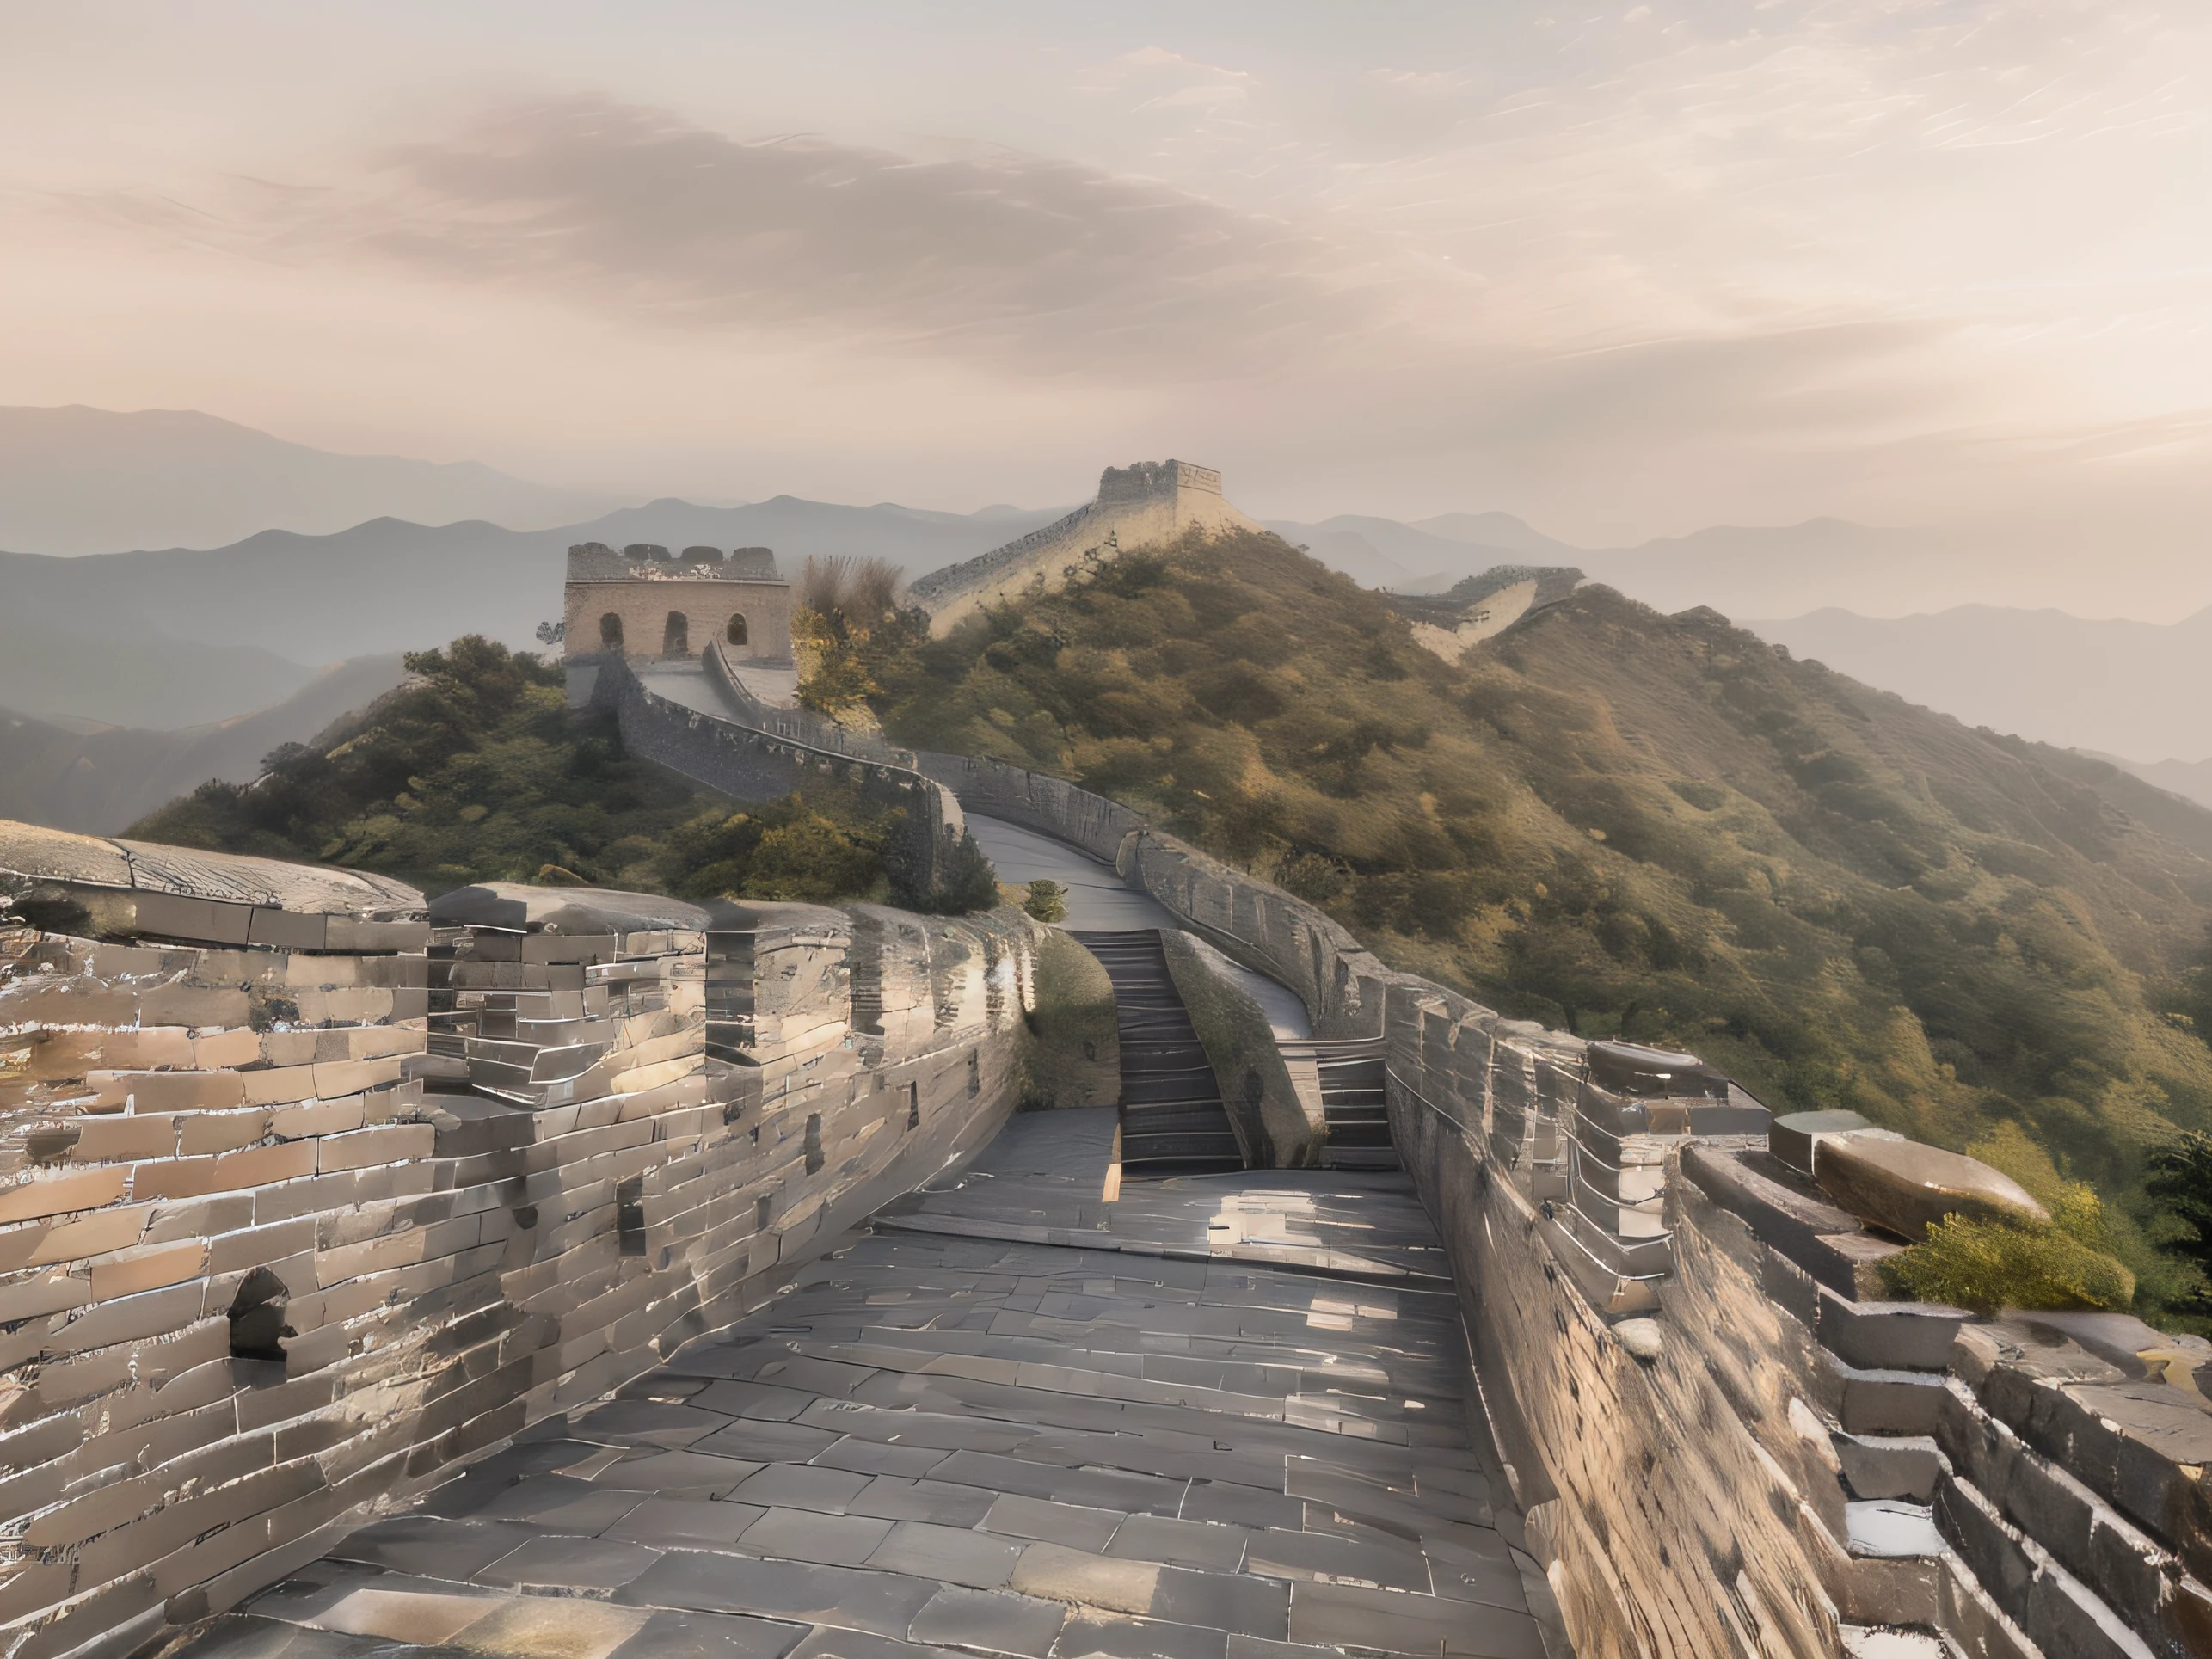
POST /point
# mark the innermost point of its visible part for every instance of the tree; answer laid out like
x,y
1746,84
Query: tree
x,y
2181,1180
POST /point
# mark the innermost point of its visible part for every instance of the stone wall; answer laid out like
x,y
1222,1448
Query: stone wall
x,y
643,609
285,1235
793,720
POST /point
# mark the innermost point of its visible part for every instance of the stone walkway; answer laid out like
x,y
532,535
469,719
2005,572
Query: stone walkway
x,y
1221,1418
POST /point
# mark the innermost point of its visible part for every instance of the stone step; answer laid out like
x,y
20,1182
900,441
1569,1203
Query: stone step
x,y
1172,1118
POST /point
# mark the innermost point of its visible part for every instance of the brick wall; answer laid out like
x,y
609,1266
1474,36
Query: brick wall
x,y
269,1262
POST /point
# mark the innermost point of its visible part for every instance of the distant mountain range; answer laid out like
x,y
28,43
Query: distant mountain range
x,y
2190,779
78,480
81,776
179,637
2136,689
1426,557
379,555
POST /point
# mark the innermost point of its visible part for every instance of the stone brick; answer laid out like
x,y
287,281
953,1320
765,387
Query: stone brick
x,y
322,1117
1870,1402
365,1148
220,1132
148,1268
225,1050
168,1092
49,1292
1890,1335
100,1139
94,1235
175,1178
207,1216
59,1195
261,1165
278,1085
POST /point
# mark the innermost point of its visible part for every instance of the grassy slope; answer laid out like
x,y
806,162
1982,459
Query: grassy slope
x,y
1628,823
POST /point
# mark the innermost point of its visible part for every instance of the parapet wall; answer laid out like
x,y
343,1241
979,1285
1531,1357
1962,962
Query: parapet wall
x,y
752,763
285,1235
1724,1441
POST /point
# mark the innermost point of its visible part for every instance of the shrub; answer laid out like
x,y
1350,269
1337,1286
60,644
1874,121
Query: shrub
x,y
1987,1265
1073,1057
1047,900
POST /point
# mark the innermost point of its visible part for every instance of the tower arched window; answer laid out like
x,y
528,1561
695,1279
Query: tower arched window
x,y
735,633
676,637
611,632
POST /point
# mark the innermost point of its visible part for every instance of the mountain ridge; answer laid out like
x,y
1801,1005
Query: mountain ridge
x,y
1626,823
77,480
390,584
100,779
2113,685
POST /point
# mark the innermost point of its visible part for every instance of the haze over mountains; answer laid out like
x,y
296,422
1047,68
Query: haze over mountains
x,y
2135,689
78,776
77,480
180,639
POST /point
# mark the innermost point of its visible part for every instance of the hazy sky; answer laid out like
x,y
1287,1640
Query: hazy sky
x,y
1624,271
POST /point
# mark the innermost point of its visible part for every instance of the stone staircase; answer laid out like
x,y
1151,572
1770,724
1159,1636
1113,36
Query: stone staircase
x,y
1173,1122
1353,1102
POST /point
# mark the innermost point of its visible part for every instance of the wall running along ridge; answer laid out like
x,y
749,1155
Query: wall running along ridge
x,y
1745,1451
269,1264
1151,503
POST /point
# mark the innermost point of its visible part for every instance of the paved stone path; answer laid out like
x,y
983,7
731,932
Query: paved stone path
x,y
1221,1418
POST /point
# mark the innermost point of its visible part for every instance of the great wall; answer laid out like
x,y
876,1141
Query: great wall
x,y
554,1271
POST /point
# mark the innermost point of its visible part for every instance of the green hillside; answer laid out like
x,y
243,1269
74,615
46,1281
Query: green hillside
x,y
477,771
1630,824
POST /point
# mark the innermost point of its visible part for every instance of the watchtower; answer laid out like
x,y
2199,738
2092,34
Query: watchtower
x,y
646,604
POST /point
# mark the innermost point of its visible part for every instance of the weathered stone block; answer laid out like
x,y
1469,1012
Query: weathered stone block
x,y
1890,1335
1886,1465
59,1195
1907,1186
1791,1137
1876,1402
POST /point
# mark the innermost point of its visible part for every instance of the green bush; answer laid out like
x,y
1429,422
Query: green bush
x,y
1988,1265
785,849
969,882
2181,1182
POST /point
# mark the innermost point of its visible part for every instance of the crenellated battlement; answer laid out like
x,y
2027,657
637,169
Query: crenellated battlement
x,y
1147,480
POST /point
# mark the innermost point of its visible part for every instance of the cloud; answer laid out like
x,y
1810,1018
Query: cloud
x,y
1013,256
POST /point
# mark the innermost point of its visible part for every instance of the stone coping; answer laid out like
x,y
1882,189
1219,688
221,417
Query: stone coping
x,y
597,561
32,855
523,908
